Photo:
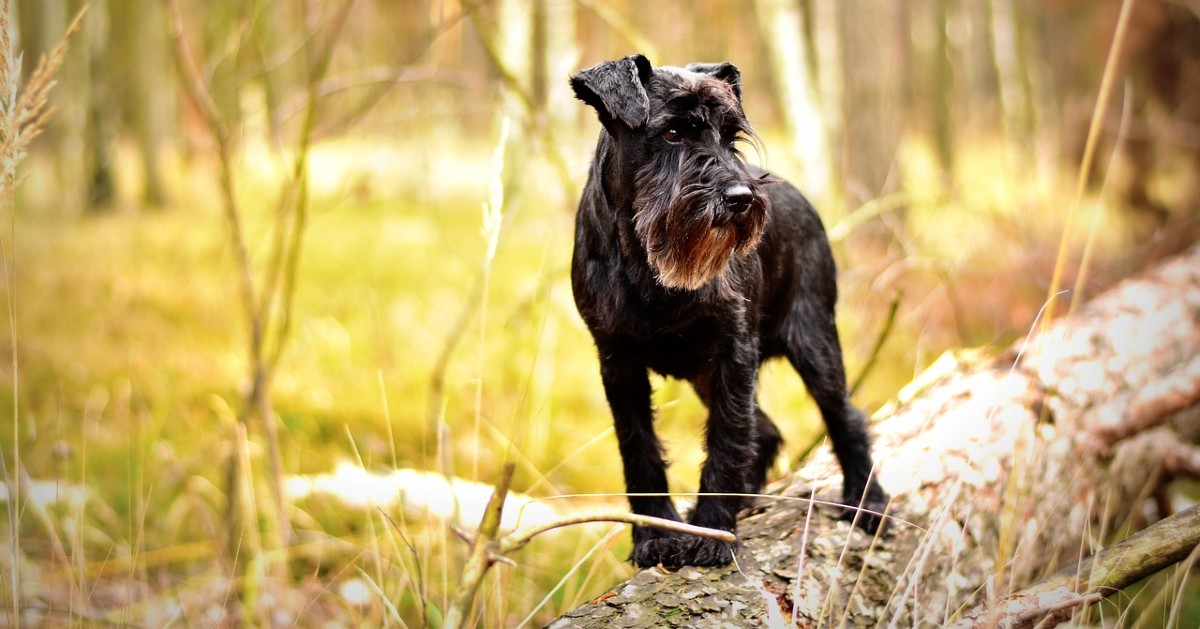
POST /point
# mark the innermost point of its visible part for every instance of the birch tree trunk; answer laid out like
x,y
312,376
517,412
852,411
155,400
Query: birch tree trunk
x,y
1001,469
786,41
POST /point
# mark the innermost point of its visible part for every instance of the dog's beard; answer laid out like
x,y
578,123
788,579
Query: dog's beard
x,y
689,240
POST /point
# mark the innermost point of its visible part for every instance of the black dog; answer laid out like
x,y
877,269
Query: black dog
x,y
690,263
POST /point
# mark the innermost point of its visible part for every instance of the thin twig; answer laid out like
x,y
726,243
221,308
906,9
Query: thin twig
x,y
300,180
487,547
317,70
512,83
422,603
617,22
199,95
407,58
481,556
519,538
884,333
257,400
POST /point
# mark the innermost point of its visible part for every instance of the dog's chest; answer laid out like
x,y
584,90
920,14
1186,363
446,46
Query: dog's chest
x,y
671,336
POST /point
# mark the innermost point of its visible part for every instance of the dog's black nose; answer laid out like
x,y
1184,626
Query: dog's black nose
x,y
738,199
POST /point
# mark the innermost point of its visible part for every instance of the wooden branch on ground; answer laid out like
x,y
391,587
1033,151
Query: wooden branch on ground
x,y
1002,470
1053,600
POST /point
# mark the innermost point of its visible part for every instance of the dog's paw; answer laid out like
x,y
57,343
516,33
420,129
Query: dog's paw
x,y
676,551
867,513
701,551
649,550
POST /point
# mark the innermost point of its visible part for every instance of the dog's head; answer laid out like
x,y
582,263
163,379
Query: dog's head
x,y
676,132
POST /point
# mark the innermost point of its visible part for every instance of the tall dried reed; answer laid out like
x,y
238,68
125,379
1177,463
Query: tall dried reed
x,y
24,113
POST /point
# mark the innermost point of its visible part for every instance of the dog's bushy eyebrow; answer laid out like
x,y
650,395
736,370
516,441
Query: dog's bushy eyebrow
x,y
709,93
686,119
719,94
683,101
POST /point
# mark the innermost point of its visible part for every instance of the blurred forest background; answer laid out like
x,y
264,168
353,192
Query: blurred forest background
x,y
260,344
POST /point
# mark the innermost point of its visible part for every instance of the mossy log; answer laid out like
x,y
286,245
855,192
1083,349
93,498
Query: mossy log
x,y
1002,470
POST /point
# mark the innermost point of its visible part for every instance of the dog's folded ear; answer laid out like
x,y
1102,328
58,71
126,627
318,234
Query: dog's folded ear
x,y
724,71
616,90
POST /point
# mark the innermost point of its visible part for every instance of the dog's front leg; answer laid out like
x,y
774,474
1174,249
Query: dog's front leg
x,y
627,387
731,440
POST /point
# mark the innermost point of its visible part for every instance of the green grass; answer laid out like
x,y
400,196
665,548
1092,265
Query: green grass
x,y
132,352
132,349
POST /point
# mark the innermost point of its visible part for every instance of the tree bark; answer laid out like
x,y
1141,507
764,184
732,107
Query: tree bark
x,y
1002,470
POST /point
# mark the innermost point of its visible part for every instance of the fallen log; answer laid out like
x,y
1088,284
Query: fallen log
x,y
1053,599
1002,470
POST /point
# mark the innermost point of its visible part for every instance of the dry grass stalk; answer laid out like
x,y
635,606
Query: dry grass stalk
x,y
1111,65
24,113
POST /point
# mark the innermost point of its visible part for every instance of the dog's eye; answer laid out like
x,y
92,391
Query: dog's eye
x,y
672,135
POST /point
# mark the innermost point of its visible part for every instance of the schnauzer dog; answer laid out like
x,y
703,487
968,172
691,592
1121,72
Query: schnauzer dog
x,y
690,263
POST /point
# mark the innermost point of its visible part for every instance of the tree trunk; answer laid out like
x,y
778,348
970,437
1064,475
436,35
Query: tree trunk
x,y
150,106
1010,39
559,57
1001,470
872,98
943,89
101,110
786,39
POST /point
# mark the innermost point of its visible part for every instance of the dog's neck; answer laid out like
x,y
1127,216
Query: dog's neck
x,y
618,218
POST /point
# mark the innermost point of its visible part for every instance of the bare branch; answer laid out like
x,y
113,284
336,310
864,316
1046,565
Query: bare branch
x,y
520,537
1159,546
884,333
481,553
189,73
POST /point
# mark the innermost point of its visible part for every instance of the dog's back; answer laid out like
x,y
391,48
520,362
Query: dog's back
x,y
797,266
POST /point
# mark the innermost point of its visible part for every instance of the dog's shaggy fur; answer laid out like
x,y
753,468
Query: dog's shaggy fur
x,y
694,265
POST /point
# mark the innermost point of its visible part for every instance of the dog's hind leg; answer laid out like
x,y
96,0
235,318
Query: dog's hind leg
x,y
815,352
769,441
